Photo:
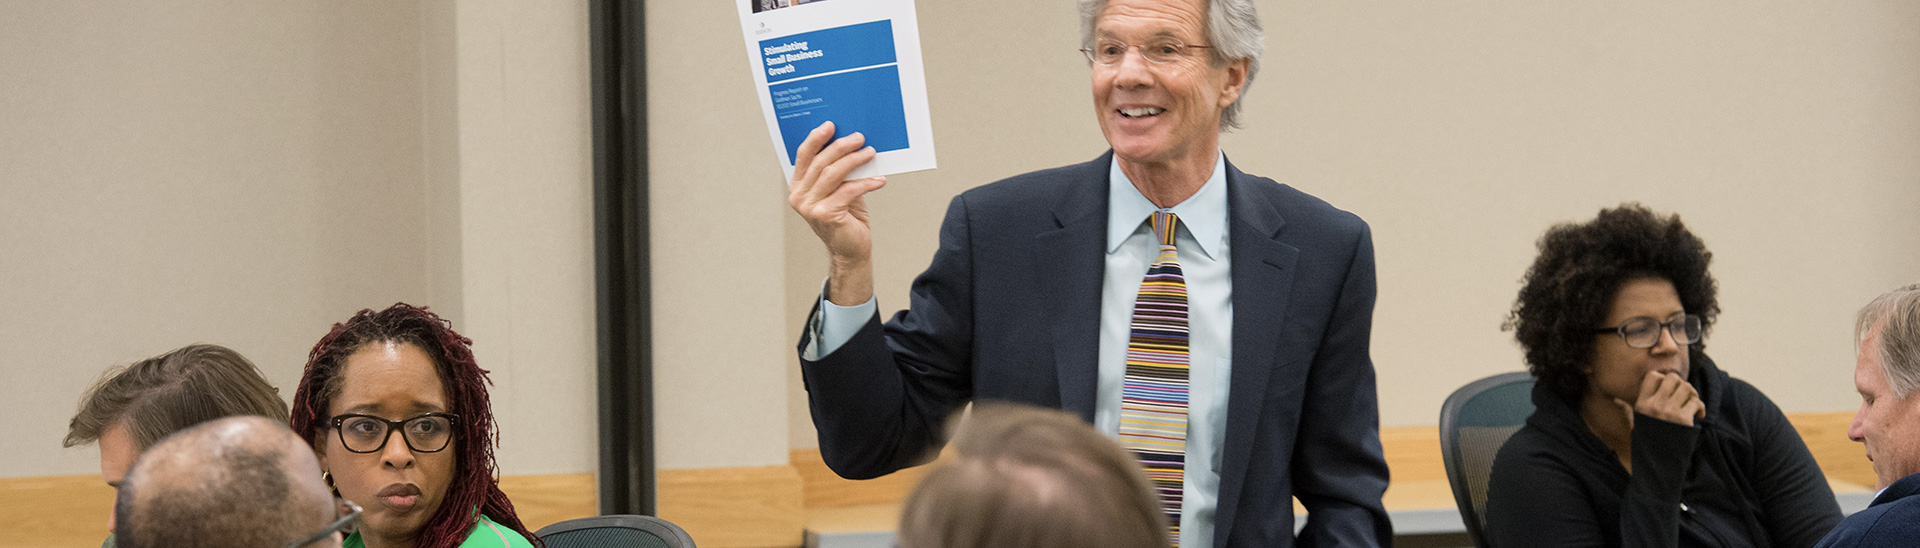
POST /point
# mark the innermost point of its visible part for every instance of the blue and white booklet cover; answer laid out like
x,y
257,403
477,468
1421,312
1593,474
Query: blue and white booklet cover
x,y
853,62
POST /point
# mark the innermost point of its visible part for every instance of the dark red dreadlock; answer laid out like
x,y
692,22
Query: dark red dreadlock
x,y
473,485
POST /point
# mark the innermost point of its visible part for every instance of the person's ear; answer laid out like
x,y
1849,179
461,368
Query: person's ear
x,y
326,475
1236,81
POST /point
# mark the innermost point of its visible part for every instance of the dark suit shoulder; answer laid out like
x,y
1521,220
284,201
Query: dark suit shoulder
x,y
1895,523
1039,200
1045,183
1293,203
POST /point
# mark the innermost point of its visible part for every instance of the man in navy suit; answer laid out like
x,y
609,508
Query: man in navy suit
x,y
1031,296
1886,373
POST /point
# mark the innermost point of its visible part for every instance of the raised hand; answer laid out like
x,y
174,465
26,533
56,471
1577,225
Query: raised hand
x,y
836,209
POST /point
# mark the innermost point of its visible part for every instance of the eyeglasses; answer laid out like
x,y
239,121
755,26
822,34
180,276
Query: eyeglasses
x,y
1159,51
348,512
1644,332
425,433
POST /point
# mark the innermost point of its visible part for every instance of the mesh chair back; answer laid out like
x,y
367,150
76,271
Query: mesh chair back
x,y
616,531
1476,420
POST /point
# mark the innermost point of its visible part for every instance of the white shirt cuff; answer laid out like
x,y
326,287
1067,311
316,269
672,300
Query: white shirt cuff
x,y
833,324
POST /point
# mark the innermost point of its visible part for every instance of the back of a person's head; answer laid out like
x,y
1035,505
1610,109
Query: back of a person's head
x,y
1020,476
164,394
233,482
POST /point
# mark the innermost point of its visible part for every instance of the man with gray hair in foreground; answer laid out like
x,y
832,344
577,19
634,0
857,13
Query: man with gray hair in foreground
x,y
232,482
1887,374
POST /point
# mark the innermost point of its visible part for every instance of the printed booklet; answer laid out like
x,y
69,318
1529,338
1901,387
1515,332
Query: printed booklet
x,y
853,62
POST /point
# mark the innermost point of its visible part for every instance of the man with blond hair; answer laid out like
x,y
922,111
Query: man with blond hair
x,y
1888,423
133,407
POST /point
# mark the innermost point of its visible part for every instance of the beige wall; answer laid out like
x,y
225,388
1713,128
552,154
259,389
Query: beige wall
x,y
1784,134
247,174
234,173
720,345
525,194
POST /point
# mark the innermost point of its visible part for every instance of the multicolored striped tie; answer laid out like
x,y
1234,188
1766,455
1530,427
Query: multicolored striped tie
x,y
1153,400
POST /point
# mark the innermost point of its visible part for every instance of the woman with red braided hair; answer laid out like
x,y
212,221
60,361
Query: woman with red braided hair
x,y
397,411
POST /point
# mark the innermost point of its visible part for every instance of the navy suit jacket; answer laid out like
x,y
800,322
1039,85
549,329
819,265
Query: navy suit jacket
x,y
1893,520
1010,310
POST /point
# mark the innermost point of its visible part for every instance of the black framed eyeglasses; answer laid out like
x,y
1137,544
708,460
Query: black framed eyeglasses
x,y
1644,332
1159,51
349,514
425,433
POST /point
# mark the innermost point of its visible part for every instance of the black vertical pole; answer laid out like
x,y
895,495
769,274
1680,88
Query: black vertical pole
x,y
621,262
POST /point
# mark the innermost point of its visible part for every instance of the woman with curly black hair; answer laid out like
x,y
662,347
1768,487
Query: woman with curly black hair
x,y
1636,438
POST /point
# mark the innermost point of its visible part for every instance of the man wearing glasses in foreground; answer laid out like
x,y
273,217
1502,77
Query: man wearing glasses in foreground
x,y
1215,322
238,481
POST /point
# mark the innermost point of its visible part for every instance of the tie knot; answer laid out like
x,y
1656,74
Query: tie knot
x,y
1164,223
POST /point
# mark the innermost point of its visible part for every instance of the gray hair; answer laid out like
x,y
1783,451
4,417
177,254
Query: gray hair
x,y
1233,29
1897,313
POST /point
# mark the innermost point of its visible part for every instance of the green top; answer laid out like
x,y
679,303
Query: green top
x,y
486,534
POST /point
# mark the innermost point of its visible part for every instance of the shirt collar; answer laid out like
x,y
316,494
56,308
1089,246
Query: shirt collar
x,y
1204,213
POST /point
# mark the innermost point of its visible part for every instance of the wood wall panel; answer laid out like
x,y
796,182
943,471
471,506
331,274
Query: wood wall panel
x,y
747,507
1839,457
544,500
55,510
1413,453
768,506
825,489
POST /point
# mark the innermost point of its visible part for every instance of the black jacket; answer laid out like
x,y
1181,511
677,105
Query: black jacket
x,y
1739,477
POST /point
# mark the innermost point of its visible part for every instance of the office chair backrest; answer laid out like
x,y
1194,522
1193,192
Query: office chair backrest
x,y
616,531
1476,420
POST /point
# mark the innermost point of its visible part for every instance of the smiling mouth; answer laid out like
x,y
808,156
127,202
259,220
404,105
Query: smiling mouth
x,y
1141,112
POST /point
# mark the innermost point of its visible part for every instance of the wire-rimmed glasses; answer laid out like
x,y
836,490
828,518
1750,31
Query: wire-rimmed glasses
x,y
1159,51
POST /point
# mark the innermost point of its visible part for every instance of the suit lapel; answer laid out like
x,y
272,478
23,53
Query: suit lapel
x,y
1263,270
1071,261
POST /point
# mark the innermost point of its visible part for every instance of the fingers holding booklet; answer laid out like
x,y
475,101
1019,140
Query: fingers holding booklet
x,y
854,63
836,208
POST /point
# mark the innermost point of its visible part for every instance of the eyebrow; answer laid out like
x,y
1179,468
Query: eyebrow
x,y
1163,33
369,408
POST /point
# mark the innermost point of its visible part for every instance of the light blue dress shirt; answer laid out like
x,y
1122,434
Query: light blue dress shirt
x,y
1205,262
